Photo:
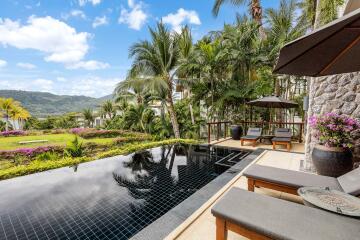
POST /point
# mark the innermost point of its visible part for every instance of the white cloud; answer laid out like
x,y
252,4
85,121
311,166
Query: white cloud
x,y
91,86
61,79
3,63
43,84
59,41
94,2
98,21
182,16
88,85
74,13
26,65
89,65
134,17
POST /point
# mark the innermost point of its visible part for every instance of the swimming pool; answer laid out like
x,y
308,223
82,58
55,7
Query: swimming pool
x,y
111,198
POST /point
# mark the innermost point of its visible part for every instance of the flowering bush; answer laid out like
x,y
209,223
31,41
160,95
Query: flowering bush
x,y
93,133
28,152
79,130
12,133
333,130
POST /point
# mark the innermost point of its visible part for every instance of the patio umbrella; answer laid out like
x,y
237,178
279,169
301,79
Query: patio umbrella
x,y
273,102
331,49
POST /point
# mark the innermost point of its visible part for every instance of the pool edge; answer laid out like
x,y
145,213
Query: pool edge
x,y
178,218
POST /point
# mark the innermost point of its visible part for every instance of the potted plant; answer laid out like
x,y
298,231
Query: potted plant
x,y
332,155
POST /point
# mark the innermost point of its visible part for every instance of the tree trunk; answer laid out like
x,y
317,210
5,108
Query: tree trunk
x,y
256,12
171,109
6,122
317,15
191,114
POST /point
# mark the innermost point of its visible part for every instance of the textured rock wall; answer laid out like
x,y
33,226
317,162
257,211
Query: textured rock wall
x,y
336,93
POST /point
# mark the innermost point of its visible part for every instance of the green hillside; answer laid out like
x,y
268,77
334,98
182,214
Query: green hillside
x,y
41,104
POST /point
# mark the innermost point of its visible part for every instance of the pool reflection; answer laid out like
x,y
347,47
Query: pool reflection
x,y
107,199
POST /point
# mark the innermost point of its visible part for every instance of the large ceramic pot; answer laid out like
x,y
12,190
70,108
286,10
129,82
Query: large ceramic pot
x,y
332,161
236,132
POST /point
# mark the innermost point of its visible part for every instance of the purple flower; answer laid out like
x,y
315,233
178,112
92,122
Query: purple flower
x,y
12,133
333,130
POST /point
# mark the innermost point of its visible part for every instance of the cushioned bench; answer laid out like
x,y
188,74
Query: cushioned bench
x,y
258,216
290,181
253,134
282,137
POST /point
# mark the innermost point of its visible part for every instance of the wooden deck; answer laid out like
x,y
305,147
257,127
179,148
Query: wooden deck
x,y
295,146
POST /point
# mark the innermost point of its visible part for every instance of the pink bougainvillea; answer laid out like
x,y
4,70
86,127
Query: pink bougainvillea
x,y
12,133
333,130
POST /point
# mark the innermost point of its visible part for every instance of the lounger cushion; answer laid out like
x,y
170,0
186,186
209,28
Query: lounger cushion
x,y
254,132
350,182
283,132
281,139
250,137
280,219
290,178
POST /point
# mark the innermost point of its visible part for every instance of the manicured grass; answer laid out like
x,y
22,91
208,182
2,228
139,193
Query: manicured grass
x,y
39,166
11,143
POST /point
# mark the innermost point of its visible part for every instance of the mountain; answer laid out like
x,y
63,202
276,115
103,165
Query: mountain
x,y
41,104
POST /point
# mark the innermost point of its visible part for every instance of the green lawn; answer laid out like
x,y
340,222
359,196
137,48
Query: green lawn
x,y
8,170
11,143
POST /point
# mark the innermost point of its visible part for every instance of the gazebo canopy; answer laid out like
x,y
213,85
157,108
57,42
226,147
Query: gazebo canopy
x,y
331,49
273,102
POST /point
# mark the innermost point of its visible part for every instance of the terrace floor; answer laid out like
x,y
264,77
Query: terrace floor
x,y
295,146
201,225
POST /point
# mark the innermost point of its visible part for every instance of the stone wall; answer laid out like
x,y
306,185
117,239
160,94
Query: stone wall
x,y
336,93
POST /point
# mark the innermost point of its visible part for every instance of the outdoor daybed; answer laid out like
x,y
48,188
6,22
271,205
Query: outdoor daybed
x,y
282,137
253,134
258,216
290,181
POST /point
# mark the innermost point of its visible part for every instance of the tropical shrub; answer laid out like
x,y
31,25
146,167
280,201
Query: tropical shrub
x,y
333,130
188,129
93,133
2,125
12,133
122,140
28,152
74,148
46,156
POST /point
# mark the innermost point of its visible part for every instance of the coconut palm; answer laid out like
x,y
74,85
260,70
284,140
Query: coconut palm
x,y
132,89
88,117
108,109
158,59
138,117
254,8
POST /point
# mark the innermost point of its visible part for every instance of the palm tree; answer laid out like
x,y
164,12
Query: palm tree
x,y
186,49
17,113
6,105
138,117
319,12
88,117
108,109
132,89
158,59
254,6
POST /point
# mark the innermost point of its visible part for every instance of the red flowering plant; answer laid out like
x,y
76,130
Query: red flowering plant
x,y
334,130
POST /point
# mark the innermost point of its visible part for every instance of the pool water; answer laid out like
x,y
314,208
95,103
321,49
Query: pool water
x,y
106,199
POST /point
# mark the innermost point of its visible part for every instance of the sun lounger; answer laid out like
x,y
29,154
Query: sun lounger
x,y
257,216
282,137
252,135
290,181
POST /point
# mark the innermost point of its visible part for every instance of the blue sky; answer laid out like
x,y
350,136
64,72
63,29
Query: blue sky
x,y
80,47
